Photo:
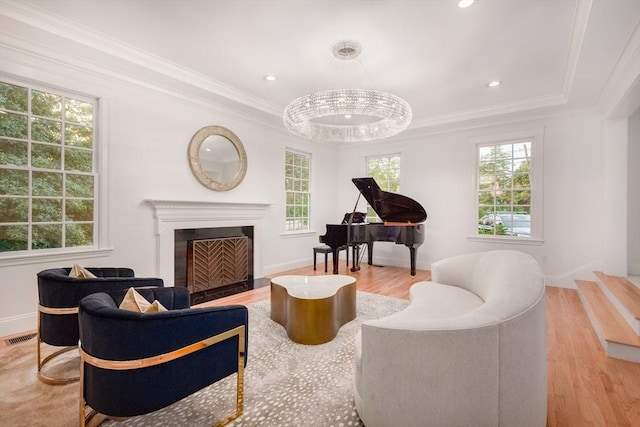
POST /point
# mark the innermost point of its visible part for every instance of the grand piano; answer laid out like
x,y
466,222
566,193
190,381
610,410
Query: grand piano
x,y
402,218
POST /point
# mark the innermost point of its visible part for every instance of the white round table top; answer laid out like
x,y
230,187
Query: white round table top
x,y
313,287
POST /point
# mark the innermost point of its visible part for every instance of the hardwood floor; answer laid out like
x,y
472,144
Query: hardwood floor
x,y
585,386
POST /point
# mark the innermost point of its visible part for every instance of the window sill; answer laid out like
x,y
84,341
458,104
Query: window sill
x,y
35,258
507,240
296,234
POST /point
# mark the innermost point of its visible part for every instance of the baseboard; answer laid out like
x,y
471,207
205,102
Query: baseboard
x,y
18,324
567,280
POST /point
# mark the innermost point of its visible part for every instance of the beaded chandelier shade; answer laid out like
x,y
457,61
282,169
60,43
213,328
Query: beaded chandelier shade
x,y
375,114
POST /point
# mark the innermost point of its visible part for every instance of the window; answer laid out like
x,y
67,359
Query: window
x,y
297,184
508,188
47,169
386,171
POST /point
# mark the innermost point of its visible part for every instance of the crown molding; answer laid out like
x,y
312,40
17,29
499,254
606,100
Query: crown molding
x,y
619,97
581,19
35,17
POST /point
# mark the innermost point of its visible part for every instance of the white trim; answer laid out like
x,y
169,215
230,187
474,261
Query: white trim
x,y
171,215
18,324
624,81
37,257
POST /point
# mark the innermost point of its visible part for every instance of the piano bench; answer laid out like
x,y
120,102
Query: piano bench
x,y
326,250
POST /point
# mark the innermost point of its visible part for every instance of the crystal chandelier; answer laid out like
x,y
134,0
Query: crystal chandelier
x,y
347,115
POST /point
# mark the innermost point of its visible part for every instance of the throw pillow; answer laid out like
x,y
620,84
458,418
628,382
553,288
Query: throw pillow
x,y
80,272
133,301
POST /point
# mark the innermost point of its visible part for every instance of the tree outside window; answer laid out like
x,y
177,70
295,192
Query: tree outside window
x,y
504,189
386,171
47,179
297,190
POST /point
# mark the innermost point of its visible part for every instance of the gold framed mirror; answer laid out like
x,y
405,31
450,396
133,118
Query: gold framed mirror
x,y
217,158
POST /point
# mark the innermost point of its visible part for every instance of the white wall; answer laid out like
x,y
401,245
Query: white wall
x,y
436,171
633,195
147,139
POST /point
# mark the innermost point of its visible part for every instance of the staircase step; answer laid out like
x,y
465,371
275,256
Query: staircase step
x,y
627,296
616,336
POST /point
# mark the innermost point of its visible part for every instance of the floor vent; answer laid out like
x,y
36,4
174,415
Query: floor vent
x,y
17,340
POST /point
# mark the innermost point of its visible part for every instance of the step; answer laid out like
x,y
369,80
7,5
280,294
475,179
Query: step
x,y
625,296
616,336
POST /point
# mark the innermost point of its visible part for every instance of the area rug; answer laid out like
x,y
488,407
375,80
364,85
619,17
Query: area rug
x,y
286,384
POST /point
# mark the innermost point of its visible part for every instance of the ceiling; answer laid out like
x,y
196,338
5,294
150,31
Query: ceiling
x,y
548,54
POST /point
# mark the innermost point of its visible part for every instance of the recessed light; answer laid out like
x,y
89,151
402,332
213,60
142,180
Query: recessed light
x,y
347,116
465,3
270,77
494,83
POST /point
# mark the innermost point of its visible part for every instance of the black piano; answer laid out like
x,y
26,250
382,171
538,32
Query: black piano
x,y
401,215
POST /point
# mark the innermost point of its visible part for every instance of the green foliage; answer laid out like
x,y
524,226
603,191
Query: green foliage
x,y
36,190
503,181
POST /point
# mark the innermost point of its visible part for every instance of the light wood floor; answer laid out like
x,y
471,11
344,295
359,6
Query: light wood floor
x,y
585,387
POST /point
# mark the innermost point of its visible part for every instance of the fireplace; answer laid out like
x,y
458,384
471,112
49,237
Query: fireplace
x,y
191,218
214,262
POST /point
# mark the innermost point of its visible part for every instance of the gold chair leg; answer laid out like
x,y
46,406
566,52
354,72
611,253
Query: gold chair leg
x,y
42,362
239,383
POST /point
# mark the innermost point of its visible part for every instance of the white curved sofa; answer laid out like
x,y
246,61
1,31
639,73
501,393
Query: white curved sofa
x,y
469,350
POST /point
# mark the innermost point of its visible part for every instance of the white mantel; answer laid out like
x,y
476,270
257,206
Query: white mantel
x,y
171,215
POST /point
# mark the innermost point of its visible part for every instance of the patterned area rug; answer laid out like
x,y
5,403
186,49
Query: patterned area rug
x,y
286,384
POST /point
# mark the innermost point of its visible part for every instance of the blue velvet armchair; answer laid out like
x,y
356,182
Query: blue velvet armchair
x,y
163,356
59,296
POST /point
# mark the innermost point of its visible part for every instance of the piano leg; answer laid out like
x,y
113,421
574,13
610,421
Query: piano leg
x,y
356,258
412,252
370,252
336,253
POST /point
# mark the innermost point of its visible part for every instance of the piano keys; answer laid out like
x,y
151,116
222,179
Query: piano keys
x,y
401,215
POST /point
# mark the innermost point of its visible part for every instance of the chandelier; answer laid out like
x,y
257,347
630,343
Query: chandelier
x,y
347,115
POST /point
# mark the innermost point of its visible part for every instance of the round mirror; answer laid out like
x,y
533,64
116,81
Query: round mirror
x,y
217,158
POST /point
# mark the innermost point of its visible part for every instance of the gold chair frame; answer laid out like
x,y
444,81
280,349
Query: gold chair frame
x,y
86,418
42,362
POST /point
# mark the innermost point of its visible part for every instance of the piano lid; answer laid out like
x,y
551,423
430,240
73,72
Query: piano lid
x,y
390,207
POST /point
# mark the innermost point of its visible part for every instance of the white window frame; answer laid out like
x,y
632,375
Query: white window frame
x,y
309,229
101,237
536,136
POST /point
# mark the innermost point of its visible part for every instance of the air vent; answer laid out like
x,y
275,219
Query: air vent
x,y
18,340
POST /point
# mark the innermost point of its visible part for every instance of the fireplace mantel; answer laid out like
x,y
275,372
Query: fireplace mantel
x,y
171,215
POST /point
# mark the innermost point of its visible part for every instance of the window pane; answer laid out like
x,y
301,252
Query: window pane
x,y
46,130
79,160
486,198
46,210
522,197
46,104
46,156
14,238
47,184
521,181
78,136
79,235
79,210
14,182
13,152
46,236
79,185
13,125
503,198
13,97
79,111
14,209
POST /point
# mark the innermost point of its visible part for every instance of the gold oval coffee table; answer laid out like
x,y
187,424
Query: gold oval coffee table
x,y
313,308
